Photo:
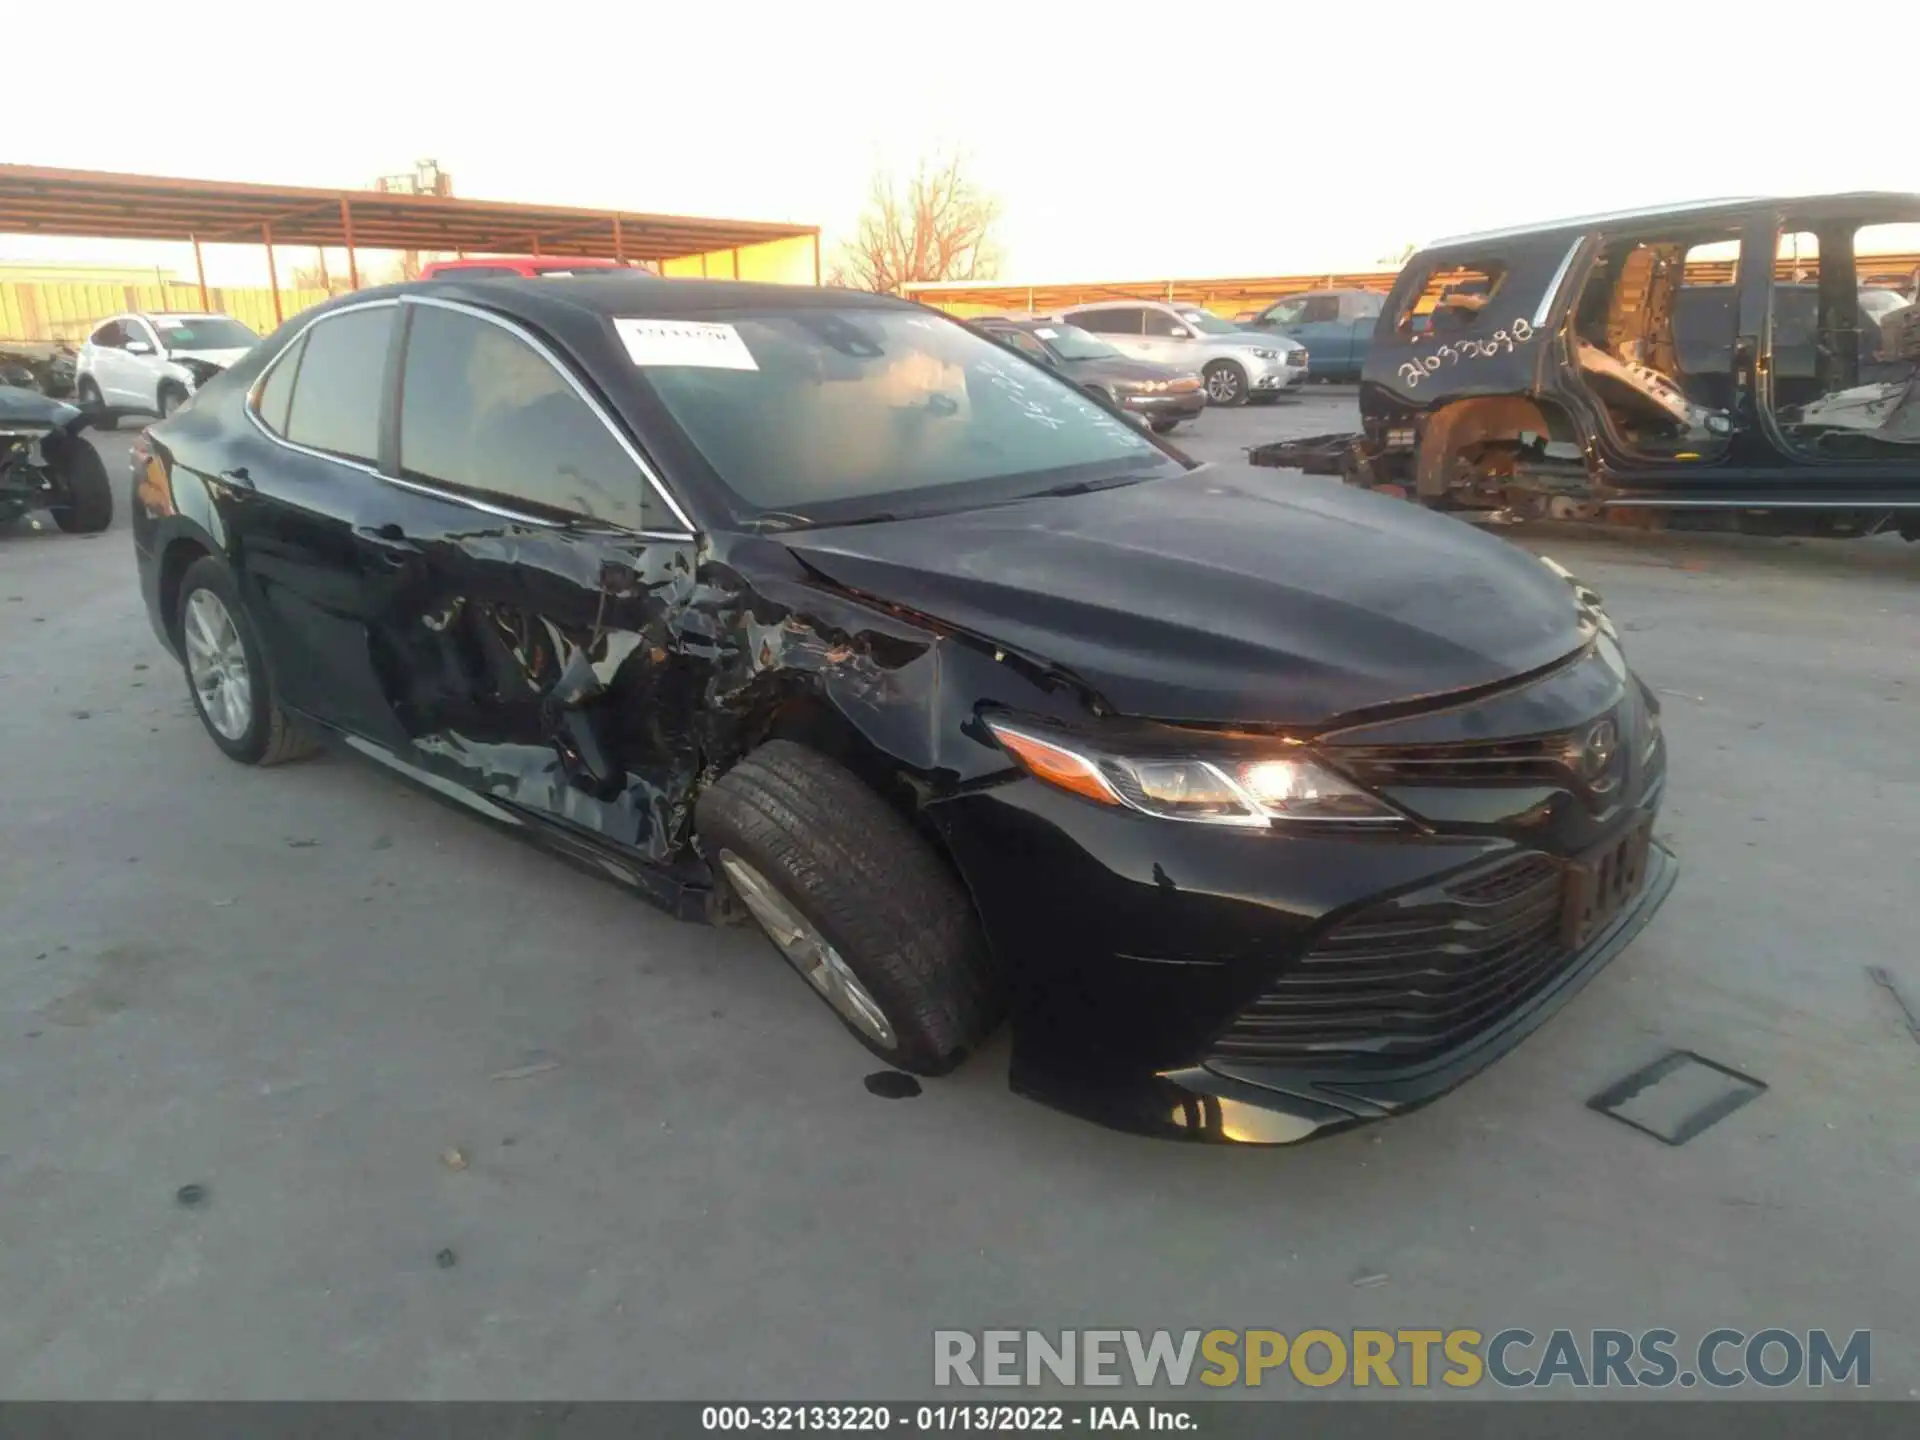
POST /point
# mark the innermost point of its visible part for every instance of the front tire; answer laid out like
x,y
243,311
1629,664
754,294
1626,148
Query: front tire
x,y
1164,427
171,397
855,900
87,392
227,671
1226,383
85,506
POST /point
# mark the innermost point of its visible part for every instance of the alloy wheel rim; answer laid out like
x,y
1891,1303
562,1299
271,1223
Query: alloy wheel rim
x,y
217,665
807,950
1223,384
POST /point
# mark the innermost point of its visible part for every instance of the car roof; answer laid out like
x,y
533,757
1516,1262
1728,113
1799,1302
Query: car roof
x,y
1683,210
177,314
1119,304
559,304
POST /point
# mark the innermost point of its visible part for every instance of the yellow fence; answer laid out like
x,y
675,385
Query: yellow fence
x,y
67,310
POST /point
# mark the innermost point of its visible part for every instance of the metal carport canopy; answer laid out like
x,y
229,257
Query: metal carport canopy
x,y
101,204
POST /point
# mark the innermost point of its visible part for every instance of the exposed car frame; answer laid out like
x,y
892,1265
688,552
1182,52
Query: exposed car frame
x,y
1498,410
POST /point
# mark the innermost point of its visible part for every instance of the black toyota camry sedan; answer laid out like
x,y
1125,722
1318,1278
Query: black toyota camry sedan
x,y
1261,806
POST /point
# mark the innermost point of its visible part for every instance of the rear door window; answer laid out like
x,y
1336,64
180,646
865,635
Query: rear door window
x,y
276,394
1123,320
484,413
336,396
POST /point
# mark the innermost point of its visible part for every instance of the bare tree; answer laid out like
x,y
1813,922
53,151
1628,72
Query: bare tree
x,y
938,225
1404,254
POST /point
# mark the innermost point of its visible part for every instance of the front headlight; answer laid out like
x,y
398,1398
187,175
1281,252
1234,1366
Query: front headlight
x,y
1252,791
1268,354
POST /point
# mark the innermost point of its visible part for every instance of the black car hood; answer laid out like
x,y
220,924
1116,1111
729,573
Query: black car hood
x,y
1224,594
1117,370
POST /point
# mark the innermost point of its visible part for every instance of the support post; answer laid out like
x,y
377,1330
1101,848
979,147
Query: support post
x,y
200,273
346,229
735,252
816,258
619,242
273,275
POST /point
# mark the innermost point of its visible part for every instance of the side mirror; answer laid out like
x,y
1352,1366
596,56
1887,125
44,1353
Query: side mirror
x,y
138,347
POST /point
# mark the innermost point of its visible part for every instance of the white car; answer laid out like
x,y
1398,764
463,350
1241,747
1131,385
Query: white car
x,y
153,362
1236,365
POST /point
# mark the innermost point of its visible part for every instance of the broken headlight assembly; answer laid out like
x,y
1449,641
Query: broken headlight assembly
x,y
1275,784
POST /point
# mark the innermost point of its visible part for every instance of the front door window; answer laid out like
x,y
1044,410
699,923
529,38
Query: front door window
x,y
1653,337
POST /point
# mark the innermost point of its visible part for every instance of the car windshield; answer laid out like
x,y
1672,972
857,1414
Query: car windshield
x,y
823,416
1070,342
1208,323
204,332
578,269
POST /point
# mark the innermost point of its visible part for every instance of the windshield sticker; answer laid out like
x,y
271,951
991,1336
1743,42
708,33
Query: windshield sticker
x,y
684,342
1046,334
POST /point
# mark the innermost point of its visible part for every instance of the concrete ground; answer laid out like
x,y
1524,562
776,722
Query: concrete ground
x,y
307,990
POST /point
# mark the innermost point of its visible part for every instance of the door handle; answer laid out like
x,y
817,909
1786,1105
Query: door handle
x,y
390,543
238,478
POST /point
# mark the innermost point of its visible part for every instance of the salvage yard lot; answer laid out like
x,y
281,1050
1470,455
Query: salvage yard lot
x,y
470,1123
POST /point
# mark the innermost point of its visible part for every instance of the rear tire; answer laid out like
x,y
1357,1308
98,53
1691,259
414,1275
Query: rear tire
x,y
267,735
1226,383
86,506
870,888
1163,427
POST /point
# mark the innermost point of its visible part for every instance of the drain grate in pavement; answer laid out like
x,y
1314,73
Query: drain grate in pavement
x,y
1677,1096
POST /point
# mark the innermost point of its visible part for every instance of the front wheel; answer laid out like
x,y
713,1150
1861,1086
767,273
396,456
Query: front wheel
x,y
172,397
227,671
1164,427
87,392
1226,383
83,503
856,901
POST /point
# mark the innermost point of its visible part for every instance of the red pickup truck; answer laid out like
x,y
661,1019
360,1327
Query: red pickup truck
x,y
490,267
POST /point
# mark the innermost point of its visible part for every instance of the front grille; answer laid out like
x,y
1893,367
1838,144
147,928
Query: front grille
x,y
1413,977
1537,758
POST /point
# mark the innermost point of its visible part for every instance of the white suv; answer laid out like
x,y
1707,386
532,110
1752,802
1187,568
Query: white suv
x,y
1237,365
153,362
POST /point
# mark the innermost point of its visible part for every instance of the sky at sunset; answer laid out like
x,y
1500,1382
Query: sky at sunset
x,y
1123,141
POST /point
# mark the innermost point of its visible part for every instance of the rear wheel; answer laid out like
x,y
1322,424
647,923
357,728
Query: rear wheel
x,y
1226,383
85,495
227,671
1163,427
856,901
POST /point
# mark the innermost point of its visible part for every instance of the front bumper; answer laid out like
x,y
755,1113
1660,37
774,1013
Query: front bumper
x,y
1137,946
1181,405
1276,376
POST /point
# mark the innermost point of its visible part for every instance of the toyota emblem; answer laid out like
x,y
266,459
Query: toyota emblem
x,y
1597,751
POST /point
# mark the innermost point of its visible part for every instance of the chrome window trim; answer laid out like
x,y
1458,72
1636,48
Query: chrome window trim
x,y
252,407
561,368
1552,292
